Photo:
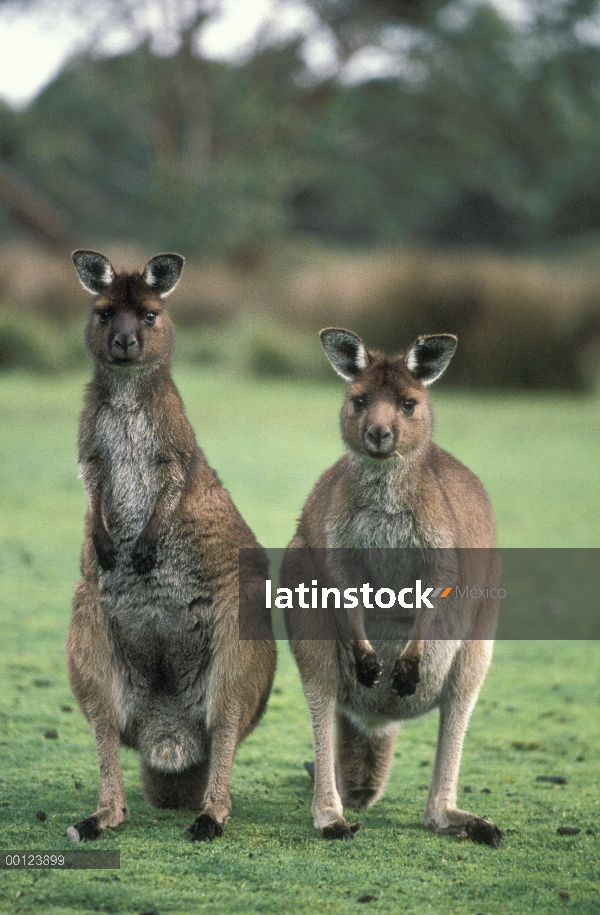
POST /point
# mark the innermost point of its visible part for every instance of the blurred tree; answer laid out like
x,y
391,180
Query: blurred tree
x,y
473,130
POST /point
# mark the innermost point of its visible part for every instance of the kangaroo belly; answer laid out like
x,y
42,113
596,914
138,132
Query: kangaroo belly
x,y
162,636
380,705
163,711
177,581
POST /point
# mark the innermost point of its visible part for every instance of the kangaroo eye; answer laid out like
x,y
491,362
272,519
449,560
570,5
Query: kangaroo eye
x,y
105,316
409,406
150,317
359,403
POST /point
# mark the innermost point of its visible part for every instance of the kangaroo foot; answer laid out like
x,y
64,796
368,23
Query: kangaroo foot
x,y
85,830
205,829
466,826
93,826
340,829
483,832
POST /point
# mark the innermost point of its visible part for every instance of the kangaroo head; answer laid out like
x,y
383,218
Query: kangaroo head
x,y
128,325
387,411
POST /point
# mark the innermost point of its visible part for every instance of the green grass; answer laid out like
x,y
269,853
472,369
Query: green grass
x,y
538,713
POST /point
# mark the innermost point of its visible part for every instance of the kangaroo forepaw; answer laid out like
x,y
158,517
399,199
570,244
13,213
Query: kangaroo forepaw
x,y
204,829
143,555
405,676
340,830
85,831
368,669
106,551
483,832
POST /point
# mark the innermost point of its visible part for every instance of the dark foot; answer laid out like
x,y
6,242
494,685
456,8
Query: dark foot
x,y
143,555
310,768
405,676
106,551
483,832
84,831
340,830
205,829
368,669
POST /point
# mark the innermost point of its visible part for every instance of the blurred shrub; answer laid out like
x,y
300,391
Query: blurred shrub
x,y
520,323
254,344
268,348
25,344
39,345
17,349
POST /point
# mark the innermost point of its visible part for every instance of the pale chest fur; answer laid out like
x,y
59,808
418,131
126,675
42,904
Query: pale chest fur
x,y
381,514
127,441
129,446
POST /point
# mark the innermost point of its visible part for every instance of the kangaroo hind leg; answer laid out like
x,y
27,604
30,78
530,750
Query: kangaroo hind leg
x,y
363,762
112,805
458,700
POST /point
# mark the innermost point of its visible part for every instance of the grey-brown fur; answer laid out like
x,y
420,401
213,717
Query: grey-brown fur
x,y
153,651
393,489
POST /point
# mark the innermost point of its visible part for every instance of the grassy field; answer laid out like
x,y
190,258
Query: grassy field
x,y
538,713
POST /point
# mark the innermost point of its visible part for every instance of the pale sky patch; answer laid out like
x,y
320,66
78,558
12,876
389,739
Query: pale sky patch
x,y
35,47
32,53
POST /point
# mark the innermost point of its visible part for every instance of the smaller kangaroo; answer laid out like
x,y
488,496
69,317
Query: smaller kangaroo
x,y
153,651
393,493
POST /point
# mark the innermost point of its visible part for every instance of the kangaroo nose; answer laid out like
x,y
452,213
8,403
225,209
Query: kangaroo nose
x,y
378,435
124,342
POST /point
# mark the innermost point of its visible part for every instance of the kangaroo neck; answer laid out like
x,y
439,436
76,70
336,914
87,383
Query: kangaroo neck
x,y
131,388
391,485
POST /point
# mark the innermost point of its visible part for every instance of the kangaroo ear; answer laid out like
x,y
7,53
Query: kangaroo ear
x,y
94,270
429,356
346,352
162,273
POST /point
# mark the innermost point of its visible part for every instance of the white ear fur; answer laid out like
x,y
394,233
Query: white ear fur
x,y
429,357
94,270
162,273
346,352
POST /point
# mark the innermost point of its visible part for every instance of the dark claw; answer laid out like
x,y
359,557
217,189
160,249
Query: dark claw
x,y
205,829
340,830
85,831
143,555
405,676
483,832
368,670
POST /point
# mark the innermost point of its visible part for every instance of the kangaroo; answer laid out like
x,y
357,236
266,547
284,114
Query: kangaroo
x,y
393,489
153,650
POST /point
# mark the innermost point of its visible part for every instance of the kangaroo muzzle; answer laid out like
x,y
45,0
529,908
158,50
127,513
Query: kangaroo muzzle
x,y
379,440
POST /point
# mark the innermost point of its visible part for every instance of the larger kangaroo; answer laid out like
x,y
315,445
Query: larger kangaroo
x,y
393,489
153,651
